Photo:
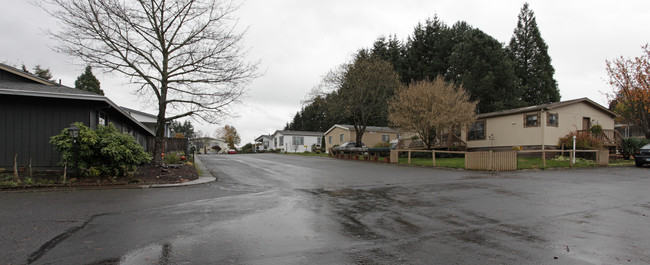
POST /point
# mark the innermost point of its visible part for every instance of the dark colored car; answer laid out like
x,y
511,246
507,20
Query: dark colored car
x,y
643,156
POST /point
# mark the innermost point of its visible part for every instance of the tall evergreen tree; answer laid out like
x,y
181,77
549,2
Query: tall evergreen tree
x,y
186,129
43,72
531,62
427,51
480,63
88,82
390,50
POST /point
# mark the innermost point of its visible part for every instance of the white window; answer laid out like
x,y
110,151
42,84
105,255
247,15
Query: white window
x,y
341,137
329,139
102,119
385,138
552,119
281,140
298,140
476,131
531,120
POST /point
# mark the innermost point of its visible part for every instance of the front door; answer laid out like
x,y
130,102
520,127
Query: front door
x,y
586,123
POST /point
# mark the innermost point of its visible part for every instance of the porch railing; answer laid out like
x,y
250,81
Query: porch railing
x,y
608,137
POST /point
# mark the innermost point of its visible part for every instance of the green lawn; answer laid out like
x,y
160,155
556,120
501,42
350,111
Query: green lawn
x,y
522,162
536,162
457,162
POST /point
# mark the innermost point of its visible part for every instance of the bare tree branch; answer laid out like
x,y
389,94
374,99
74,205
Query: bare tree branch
x,y
184,52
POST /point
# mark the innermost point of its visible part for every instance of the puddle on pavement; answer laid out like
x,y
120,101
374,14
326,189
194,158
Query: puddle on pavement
x,y
286,233
152,254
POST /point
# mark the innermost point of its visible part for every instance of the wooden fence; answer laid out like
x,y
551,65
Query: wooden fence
x,y
169,144
500,161
488,160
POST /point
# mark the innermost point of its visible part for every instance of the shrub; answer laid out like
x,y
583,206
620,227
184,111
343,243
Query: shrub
x,y
102,152
596,129
172,158
584,141
629,146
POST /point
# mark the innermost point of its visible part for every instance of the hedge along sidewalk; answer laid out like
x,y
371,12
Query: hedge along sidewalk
x,y
205,176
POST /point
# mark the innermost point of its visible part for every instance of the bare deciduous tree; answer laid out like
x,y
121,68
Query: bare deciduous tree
x,y
184,52
428,107
365,88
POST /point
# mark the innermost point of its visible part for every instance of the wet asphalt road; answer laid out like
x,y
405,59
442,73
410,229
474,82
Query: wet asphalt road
x,y
281,209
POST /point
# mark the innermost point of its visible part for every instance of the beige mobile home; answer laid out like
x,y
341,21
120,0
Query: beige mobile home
x,y
341,133
538,126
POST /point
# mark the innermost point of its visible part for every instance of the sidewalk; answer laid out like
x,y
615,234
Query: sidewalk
x,y
205,177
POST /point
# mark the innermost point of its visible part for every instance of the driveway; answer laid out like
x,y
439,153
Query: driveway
x,y
283,209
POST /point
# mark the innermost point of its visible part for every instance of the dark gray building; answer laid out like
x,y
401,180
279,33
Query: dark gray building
x,y
33,109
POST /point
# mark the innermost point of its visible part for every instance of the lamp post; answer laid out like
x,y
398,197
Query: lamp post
x,y
573,160
74,133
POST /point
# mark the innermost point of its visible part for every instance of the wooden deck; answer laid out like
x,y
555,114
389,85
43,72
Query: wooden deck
x,y
610,138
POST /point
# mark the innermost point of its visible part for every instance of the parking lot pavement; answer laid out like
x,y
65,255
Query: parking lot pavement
x,y
281,209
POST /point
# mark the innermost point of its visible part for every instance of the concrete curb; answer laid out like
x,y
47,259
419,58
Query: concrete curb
x,y
205,177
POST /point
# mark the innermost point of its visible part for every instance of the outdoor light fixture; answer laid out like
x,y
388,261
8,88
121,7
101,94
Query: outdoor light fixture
x,y
74,132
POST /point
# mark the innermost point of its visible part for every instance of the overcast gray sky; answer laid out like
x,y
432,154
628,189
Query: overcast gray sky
x,y
298,41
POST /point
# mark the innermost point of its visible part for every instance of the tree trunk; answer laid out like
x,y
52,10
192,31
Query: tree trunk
x,y
160,134
359,130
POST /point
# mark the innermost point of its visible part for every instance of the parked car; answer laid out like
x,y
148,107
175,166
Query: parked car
x,y
349,146
643,156
232,151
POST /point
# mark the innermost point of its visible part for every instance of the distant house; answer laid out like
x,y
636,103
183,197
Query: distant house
x,y
629,130
149,120
33,109
264,142
539,126
341,133
296,141
208,145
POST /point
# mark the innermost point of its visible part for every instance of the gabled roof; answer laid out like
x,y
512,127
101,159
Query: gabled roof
x,y
139,112
545,107
368,128
28,76
298,133
261,137
52,90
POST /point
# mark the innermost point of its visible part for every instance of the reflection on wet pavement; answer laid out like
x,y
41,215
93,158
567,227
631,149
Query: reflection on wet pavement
x,y
296,210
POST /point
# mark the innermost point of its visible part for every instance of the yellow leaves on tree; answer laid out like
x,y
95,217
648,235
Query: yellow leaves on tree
x,y
428,107
631,81
229,135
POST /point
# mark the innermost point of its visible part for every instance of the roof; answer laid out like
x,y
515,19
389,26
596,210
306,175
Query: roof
x,y
299,133
26,75
548,106
368,128
139,112
260,138
52,90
